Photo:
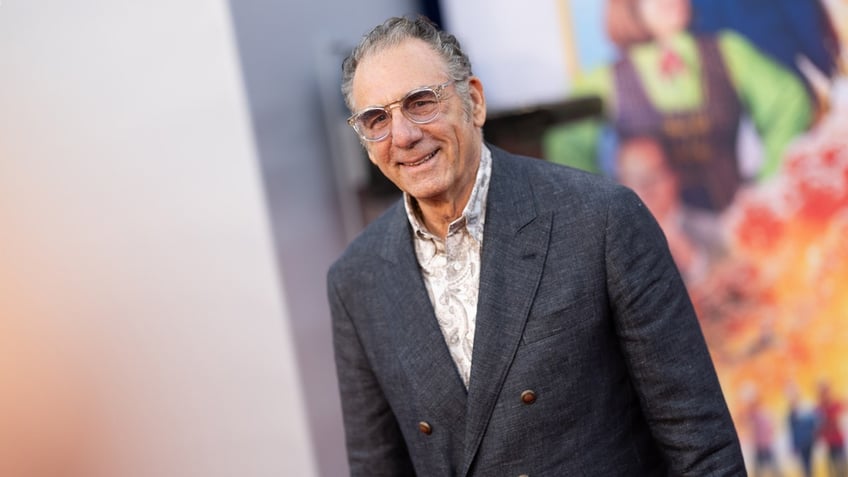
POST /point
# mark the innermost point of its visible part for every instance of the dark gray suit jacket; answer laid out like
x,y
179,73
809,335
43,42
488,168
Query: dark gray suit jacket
x,y
580,303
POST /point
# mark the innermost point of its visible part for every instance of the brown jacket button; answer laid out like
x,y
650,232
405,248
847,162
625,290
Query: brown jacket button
x,y
528,396
425,428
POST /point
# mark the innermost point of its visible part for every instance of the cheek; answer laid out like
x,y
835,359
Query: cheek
x,y
672,12
685,15
663,13
646,9
377,152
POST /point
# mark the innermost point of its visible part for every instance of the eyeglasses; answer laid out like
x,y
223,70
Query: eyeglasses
x,y
420,106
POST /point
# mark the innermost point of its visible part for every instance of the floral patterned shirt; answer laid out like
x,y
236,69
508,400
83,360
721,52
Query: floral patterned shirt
x,y
451,267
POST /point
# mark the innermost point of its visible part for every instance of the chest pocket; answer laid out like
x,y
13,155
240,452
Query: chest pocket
x,y
557,318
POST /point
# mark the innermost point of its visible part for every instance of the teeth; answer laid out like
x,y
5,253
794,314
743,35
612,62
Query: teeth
x,y
429,156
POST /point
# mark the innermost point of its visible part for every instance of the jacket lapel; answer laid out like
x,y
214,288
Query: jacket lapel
x,y
515,245
421,348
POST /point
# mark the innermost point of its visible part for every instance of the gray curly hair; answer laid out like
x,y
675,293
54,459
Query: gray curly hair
x,y
393,32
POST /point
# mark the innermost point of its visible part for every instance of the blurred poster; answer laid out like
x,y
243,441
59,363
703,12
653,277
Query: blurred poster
x,y
730,119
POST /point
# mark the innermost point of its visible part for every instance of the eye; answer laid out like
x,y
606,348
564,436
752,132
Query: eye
x,y
373,118
421,102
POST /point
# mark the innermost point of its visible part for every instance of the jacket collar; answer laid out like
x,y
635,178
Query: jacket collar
x,y
513,256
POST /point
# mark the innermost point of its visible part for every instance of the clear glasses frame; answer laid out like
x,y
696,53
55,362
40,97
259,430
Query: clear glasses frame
x,y
421,106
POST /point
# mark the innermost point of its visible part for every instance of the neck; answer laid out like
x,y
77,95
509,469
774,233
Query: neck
x,y
438,217
438,213
666,39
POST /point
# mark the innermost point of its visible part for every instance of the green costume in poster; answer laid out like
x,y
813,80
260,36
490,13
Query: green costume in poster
x,y
774,98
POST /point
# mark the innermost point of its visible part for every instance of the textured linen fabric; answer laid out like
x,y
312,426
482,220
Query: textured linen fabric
x,y
451,268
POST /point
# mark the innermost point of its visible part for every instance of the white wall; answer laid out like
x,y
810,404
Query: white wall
x,y
516,48
143,331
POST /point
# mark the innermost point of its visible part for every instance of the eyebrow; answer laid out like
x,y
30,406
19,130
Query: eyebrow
x,y
383,105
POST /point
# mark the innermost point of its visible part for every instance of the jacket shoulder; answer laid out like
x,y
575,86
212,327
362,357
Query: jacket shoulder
x,y
556,185
366,246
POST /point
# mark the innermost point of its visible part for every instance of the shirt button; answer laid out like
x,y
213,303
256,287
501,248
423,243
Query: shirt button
x,y
425,428
528,396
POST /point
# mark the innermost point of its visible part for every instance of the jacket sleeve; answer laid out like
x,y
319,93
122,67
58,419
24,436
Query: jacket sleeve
x,y
663,346
375,445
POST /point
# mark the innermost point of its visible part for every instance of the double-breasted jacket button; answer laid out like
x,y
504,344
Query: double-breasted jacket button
x,y
528,396
425,428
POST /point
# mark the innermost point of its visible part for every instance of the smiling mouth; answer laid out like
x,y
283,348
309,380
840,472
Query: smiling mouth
x,y
422,161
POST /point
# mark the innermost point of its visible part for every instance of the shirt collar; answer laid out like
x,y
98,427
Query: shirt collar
x,y
473,215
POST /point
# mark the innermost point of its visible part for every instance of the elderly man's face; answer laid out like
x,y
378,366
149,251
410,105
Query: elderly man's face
x,y
665,18
436,161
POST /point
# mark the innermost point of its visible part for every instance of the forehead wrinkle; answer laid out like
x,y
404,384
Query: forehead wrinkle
x,y
400,62
385,105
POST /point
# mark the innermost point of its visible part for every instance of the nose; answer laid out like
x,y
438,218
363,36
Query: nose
x,y
404,132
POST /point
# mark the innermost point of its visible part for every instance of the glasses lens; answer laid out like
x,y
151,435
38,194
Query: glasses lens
x,y
373,123
421,106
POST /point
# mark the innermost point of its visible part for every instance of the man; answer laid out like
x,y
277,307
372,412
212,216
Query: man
x,y
508,316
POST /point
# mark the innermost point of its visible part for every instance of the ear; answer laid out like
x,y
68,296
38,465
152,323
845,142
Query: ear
x,y
478,101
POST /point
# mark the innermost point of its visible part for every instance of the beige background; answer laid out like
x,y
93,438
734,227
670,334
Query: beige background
x,y
143,327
